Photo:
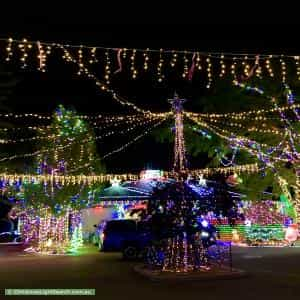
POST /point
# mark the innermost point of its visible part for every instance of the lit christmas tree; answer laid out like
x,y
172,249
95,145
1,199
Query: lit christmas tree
x,y
77,239
69,143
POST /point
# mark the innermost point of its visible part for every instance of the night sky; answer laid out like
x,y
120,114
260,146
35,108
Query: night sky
x,y
36,92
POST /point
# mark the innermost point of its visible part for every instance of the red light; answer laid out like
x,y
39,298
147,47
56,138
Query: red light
x,y
98,207
140,206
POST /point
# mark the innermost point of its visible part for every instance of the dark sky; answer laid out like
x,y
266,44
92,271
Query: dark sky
x,y
43,92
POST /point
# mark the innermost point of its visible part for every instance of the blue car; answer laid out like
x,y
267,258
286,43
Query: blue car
x,y
131,237
127,236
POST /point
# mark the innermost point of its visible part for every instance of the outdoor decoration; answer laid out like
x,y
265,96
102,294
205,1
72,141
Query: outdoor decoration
x,y
67,160
179,145
35,54
292,233
264,235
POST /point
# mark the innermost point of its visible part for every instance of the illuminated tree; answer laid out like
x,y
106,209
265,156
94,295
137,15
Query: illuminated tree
x,y
69,146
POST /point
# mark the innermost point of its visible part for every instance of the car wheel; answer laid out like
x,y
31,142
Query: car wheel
x,y
130,252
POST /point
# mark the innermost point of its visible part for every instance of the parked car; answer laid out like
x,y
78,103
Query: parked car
x,y
132,237
128,236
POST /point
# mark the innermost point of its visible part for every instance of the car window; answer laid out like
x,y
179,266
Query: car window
x,y
121,226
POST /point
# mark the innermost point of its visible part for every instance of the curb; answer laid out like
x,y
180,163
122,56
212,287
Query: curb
x,y
159,276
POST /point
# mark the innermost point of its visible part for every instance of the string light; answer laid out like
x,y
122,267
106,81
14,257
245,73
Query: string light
x,y
25,115
9,50
174,59
10,179
80,61
107,68
71,143
122,147
160,76
283,70
103,87
198,61
239,56
268,66
124,53
5,129
133,68
24,46
247,168
41,57
297,195
245,115
276,131
185,66
209,72
248,87
233,68
258,72
146,59
179,144
223,67
246,66
22,140
93,58
296,58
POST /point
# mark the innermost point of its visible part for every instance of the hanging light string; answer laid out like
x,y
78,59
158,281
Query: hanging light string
x,y
49,179
111,121
248,144
124,146
71,143
253,128
53,136
215,54
103,87
99,118
242,142
7,129
246,114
